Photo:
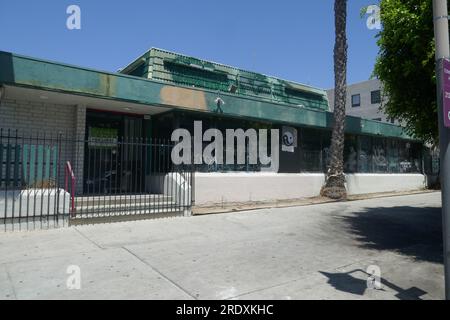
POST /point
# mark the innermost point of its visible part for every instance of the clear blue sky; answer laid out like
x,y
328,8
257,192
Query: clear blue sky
x,y
288,39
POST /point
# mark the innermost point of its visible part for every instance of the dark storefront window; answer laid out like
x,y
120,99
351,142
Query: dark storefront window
x,y
409,157
379,156
362,154
186,121
393,157
326,152
351,154
311,150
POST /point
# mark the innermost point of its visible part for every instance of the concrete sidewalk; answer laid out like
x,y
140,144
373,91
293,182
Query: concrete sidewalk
x,y
310,252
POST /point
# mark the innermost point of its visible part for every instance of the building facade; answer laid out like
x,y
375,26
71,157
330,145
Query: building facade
x,y
364,100
118,127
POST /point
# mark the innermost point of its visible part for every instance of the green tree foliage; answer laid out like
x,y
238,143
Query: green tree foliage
x,y
406,65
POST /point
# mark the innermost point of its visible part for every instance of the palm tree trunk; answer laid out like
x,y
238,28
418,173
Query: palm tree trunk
x,y
335,179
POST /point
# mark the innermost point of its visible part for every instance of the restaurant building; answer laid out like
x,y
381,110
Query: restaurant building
x,y
115,124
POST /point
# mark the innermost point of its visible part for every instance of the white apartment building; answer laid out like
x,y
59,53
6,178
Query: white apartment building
x,y
364,100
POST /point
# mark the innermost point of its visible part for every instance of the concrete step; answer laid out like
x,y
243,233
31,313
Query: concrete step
x,y
130,206
100,213
120,199
87,207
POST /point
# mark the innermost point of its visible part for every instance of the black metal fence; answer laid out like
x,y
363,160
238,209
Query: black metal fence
x,y
52,179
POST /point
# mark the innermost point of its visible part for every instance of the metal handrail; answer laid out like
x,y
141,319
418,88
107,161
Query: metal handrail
x,y
70,172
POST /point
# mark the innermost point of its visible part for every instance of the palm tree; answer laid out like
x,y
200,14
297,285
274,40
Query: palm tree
x,y
335,179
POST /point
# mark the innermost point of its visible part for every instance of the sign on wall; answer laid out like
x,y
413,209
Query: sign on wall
x,y
103,137
289,139
446,88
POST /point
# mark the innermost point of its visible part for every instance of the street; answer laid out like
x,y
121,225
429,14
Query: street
x,y
318,251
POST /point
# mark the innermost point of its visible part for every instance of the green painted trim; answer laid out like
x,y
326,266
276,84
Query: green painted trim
x,y
45,75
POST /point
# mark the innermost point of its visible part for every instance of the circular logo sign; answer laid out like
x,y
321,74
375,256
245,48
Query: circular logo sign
x,y
288,139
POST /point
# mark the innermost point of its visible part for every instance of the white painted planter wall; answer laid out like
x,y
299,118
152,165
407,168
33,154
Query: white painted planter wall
x,y
37,202
375,183
217,188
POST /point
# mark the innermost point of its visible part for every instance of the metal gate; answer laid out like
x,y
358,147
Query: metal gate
x,y
50,180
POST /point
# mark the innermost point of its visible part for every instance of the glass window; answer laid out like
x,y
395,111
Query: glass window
x,y
210,164
326,152
393,156
351,154
375,97
310,155
356,100
406,161
365,154
416,157
379,156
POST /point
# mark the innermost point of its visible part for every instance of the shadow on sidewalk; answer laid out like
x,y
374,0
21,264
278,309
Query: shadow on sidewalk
x,y
346,282
412,231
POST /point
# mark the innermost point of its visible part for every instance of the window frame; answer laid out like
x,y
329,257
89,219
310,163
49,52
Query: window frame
x,y
354,105
372,100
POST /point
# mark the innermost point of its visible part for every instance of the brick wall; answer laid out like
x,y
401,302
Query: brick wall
x,y
33,119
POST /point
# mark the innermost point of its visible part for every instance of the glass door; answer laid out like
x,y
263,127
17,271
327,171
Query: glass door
x,y
131,153
112,153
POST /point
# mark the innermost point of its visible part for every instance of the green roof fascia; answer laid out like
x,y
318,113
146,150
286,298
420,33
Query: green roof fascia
x,y
245,107
46,75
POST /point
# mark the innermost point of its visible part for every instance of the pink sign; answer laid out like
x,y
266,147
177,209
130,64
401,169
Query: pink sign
x,y
446,87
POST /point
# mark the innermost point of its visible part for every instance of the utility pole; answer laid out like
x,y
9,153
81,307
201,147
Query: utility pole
x,y
441,34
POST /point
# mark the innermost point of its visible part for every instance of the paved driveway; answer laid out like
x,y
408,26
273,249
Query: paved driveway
x,y
311,252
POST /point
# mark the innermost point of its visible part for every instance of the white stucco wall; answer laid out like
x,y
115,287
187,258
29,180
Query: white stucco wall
x,y
217,188
373,183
